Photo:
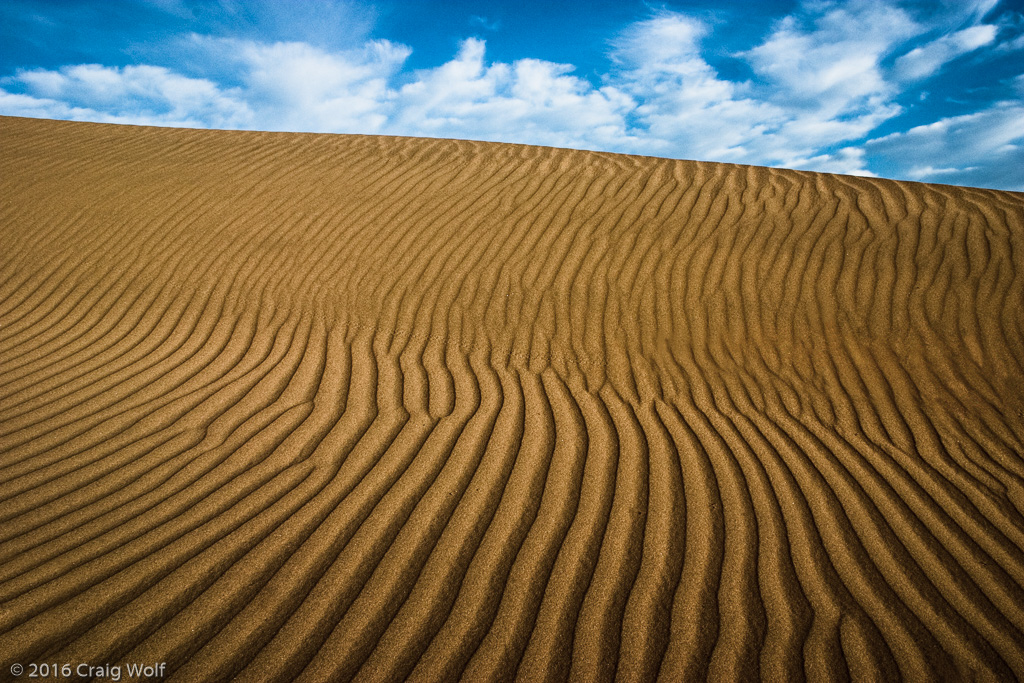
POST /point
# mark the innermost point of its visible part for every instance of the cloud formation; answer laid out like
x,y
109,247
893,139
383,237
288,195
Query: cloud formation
x,y
927,59
149,95
822,82
984,149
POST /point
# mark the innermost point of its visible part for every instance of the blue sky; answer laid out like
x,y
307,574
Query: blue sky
x,y
914,90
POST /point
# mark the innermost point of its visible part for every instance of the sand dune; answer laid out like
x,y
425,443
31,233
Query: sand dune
x,y
283,406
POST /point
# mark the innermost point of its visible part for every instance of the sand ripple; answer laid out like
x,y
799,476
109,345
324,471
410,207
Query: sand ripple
x,y
287,406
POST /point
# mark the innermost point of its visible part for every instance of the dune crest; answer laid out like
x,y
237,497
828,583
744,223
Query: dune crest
x,y
328,407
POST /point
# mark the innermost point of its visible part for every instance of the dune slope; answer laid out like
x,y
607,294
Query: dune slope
x,y
288,406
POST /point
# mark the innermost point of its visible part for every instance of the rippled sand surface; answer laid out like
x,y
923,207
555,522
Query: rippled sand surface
x,y
280,406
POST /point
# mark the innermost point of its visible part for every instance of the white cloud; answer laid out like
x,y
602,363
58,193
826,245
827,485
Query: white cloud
x,y
485,23
927,59
302,88
932,173
685,108
985,149
834,62
530,99
821,84
132,94
824,79
848,160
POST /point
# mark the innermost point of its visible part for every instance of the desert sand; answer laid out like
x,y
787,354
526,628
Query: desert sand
x,y
326,407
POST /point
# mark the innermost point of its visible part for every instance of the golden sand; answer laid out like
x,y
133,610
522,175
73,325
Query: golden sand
x,y
328,407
